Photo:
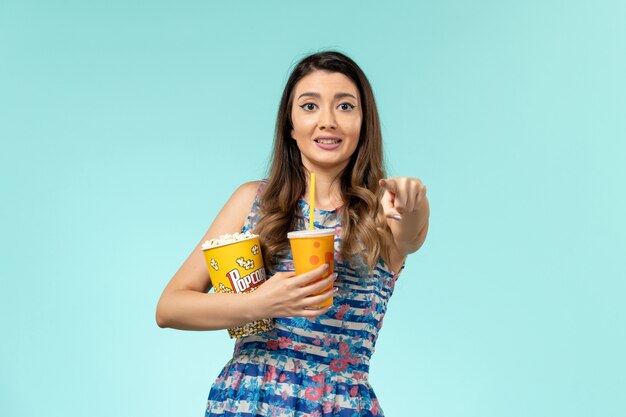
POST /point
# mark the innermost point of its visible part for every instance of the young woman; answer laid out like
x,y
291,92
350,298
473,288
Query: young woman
x,y
315,361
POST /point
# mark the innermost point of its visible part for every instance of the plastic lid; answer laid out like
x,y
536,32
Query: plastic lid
x,y
310,233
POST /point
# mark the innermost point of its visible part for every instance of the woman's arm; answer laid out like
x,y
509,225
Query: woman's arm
x,y
186,305
406,198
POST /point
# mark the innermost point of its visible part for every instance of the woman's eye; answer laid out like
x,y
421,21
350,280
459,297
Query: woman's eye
x,y
308,106
346,106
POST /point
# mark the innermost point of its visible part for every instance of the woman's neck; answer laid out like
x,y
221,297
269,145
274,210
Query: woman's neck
x,y
327,190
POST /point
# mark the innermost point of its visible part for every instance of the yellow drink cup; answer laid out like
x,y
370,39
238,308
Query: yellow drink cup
x,y
237,267
312,248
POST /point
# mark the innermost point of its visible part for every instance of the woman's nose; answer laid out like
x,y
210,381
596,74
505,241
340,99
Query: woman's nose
x,y
327,120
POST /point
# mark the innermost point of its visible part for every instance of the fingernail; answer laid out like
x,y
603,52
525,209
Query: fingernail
x,y
326,266
336,290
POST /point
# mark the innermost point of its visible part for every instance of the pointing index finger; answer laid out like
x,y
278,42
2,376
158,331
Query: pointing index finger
x,y
389,184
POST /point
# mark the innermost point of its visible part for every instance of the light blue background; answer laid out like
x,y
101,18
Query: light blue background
x,y
123,128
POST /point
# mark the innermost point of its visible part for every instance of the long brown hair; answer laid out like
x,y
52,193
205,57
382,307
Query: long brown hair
x,y
365,231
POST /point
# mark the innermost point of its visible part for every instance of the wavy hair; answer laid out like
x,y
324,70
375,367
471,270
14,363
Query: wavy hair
x,y
365,230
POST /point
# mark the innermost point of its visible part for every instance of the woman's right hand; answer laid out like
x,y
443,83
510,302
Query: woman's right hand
x,y
186,305
286,294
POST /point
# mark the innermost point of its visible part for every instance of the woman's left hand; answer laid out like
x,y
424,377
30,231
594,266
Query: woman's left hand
x,y
405,204
403,196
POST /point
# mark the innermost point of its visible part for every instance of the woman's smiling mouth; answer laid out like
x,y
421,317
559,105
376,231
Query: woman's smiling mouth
x,y
328,143
327,140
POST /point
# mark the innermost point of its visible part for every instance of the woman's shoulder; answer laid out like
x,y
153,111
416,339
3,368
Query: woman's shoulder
x,y
251,187
249,195
248,192
235,212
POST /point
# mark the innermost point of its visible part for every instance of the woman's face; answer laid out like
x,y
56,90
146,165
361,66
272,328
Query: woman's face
x,y
326,116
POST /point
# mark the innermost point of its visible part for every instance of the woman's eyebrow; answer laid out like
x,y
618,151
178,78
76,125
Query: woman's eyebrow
x,y
317,95
342,95
309,94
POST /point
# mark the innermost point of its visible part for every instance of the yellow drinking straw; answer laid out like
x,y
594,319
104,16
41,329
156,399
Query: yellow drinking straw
x,y
312,201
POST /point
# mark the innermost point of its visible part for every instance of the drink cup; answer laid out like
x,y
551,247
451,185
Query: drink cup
x,y
236,266
312,248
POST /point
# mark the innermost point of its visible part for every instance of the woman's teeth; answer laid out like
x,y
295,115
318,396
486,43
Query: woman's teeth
x,y
328,141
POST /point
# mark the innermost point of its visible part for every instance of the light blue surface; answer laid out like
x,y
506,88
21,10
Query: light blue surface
x,y
125,126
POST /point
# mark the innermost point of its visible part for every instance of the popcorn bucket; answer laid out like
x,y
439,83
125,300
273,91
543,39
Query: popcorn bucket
x,y
236,266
